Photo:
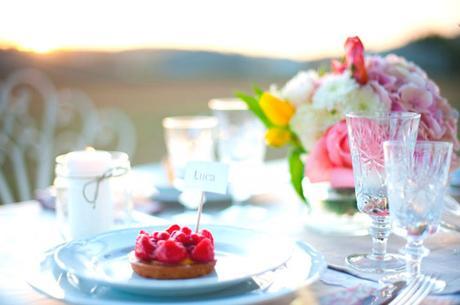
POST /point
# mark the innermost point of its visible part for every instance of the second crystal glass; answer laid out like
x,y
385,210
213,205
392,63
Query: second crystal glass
x,y
366,134
417,181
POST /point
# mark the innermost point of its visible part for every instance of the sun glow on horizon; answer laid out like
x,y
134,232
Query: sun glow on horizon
x,y
40,47
289,28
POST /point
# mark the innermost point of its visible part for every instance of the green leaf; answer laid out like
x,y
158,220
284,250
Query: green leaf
x,y
296,169
258,91
253,105
295,141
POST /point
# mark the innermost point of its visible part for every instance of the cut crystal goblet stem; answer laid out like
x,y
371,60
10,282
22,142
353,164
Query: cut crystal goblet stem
x,y
378,261
414,255
380,230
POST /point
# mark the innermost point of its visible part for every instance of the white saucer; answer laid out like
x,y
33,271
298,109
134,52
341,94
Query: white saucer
x,y
303,268
240,253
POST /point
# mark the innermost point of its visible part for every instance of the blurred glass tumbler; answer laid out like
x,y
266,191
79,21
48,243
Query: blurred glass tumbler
x,y
188,138
93,192
240,144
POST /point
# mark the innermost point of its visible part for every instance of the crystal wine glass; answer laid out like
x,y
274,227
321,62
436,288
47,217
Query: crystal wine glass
x,y
417,180
366,134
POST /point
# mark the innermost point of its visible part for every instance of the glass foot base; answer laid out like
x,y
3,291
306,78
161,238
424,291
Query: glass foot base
x,y
404,277
369,264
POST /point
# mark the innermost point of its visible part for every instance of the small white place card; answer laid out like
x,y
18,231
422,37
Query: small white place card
x,y
207,176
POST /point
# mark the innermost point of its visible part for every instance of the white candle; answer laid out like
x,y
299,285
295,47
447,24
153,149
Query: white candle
x,y
87,218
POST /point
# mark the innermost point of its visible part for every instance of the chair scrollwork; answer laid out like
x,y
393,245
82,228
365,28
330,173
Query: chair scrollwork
x,y
39,122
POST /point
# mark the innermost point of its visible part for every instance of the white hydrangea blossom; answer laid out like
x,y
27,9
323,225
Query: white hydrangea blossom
x,y
333,91
341,94
363,100
310,124
299,89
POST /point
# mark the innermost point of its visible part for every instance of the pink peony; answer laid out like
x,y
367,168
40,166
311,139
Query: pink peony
x,y
406,87
409,89
330,159
398,83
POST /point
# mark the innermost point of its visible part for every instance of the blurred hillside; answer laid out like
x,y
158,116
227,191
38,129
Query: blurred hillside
x,y
151,84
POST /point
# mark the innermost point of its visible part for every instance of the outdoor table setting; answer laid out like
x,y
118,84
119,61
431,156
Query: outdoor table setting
x,y
359,213
336,285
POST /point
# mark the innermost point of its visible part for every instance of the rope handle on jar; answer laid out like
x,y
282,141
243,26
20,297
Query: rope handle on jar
x,y
113,172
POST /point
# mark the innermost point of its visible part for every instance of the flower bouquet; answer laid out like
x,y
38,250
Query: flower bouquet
x,y
308,112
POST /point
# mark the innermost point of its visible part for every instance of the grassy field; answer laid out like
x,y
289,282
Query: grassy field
x,y
147,104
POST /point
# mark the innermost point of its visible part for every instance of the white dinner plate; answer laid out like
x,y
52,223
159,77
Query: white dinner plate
x,y
303,268
240,254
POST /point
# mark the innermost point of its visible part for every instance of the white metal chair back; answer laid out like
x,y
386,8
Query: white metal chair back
x,y
39,122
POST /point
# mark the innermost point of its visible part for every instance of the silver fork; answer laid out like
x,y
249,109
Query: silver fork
x,y
265,280
416,291
418,297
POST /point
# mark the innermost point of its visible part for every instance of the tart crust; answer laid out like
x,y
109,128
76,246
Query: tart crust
x,y
158,270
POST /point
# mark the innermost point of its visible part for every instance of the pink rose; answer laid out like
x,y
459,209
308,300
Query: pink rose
x,y
330,159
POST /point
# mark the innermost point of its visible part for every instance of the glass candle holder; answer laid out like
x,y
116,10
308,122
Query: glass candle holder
x,y
93,192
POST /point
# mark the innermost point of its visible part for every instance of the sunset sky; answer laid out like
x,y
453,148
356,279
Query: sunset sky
x,y
285,28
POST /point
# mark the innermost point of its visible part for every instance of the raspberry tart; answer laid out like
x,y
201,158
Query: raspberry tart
x,y
176,253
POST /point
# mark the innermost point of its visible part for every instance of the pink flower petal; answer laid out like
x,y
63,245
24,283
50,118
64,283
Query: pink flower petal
x,y
418,98
318,165
342,177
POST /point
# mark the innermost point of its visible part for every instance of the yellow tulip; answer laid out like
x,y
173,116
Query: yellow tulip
x,y
278,111
277,137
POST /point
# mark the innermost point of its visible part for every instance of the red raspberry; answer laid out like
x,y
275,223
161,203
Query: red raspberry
x,y
144,248
154,242
204,251
173,234
155,235
195,239
190,249
207,234
173,228
179,237
141,233
186,230
163,236
170,252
